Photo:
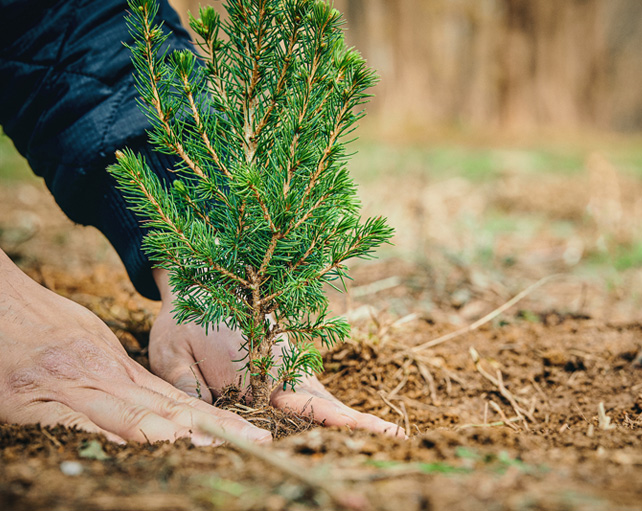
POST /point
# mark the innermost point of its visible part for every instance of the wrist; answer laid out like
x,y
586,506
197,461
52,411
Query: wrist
x,y
161,277
9,273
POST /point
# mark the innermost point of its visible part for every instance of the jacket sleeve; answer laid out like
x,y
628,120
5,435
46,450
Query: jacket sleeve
x,y
68,102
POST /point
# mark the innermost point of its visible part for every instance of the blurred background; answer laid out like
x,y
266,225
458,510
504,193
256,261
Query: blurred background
x,y
499,64
504,144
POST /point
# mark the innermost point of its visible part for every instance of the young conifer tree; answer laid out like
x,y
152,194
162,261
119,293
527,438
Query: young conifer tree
x,y
263,212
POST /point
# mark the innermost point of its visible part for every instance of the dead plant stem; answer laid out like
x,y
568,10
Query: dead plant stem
x,y
505,393
488,317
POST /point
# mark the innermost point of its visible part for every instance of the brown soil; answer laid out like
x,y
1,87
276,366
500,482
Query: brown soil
x,y
516,429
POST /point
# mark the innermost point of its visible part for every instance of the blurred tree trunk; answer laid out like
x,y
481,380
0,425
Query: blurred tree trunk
x,y
506,64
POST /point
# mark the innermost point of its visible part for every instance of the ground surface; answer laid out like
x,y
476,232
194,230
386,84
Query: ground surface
x,y
512,424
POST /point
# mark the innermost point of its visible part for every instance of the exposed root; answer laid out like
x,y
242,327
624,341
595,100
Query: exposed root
x,y
281,423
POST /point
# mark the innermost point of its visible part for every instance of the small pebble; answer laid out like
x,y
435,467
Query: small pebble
x,y
71,468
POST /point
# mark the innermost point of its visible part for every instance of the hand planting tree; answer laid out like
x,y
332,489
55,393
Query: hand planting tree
x,y
263,211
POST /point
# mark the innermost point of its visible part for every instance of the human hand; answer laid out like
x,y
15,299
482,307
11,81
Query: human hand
x,y
203,364
59,364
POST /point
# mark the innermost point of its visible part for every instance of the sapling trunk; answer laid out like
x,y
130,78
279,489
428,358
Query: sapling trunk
x,y
262,211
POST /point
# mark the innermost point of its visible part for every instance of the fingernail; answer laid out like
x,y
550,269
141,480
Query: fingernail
x,y
265,439
257,435
201,440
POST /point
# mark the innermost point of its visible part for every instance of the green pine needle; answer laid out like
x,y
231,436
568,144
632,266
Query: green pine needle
x,y
263,211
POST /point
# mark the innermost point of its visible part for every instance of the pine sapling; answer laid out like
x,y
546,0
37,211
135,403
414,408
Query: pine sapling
x,y
263,211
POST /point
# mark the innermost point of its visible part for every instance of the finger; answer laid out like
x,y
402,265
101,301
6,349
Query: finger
x,y
190,416
331,412
190,381
321,410
51,413
140,376
147,380
131,421
179,368
375,424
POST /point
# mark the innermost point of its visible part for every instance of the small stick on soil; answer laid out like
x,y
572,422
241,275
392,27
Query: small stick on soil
x,y
406,420
488,424
506,394
288,466
52,438
389,403
403,369
604,421
513,401
539,390
506,420
399,387
453,376
386,329
430,381
488,317
376,287
247,409
449,385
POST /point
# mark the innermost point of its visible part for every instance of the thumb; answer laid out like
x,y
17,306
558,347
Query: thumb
x,y
191,382
178,367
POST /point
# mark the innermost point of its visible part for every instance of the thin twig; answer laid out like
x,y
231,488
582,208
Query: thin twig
x,y
604,421
289,467
488,424
513,401
505,393
488,317
390,404
506,420
430,381
495,380
399,387
406,419
52,438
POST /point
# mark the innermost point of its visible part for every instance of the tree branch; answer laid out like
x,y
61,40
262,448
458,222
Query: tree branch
x,y
280,84
201,128
323,162
172,141
166,219
314,66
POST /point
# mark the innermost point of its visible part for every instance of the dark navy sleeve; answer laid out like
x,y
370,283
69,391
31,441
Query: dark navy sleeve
x,y
68,102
